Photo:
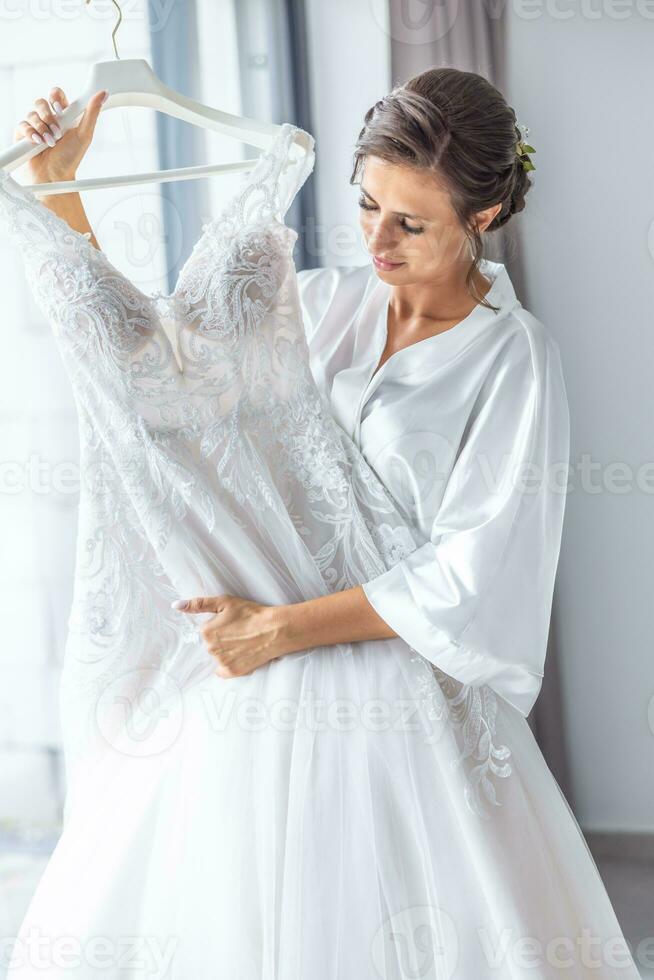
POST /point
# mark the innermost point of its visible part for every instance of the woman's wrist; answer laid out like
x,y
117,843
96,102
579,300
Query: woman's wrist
x,y
51,177
340,617
293,622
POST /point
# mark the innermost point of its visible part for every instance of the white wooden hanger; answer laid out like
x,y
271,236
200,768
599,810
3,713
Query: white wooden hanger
x,y
132,82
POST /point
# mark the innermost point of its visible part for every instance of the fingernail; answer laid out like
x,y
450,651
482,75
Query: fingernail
x,y
49,138
57,133
104,98
179,604
37,137
57,108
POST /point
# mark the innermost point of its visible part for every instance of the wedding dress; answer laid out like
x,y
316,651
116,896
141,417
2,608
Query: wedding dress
x,y
343,813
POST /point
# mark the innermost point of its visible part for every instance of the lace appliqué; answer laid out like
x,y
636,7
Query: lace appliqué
x,y
471,710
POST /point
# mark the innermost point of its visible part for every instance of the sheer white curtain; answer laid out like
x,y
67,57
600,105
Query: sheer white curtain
x,y
39,48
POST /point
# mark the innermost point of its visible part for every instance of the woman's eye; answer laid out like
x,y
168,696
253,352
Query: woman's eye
x,y
371,207
412,231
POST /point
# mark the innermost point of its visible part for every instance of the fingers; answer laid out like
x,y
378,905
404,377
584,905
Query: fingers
x,y
86,125
26,129
40,125
58,100
200,604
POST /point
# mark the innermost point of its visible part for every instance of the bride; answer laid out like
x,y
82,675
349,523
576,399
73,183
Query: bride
x,y
357,477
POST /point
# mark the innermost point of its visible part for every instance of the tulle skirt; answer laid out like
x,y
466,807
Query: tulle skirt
x,y
316,820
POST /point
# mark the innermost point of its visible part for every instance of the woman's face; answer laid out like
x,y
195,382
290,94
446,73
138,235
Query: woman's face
x,y
407,219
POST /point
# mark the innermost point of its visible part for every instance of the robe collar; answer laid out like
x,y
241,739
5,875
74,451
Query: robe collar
x,y
353,386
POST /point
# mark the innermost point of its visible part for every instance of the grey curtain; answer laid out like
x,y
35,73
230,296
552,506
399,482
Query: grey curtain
x,y
272,39
274,80
174,60
470,35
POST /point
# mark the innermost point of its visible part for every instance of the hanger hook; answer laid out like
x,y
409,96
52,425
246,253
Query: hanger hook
x,y
117,25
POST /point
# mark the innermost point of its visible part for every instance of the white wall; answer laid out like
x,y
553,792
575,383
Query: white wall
x,y
583,85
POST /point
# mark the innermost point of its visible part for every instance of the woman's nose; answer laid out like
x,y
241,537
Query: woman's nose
x,y
380,237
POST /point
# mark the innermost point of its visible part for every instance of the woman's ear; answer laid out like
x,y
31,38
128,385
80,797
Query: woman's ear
x,y
484,218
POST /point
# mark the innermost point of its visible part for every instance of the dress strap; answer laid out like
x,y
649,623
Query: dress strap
x,y
298,164
271,186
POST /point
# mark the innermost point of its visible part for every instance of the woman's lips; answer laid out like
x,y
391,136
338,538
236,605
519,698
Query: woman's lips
x,y
384,265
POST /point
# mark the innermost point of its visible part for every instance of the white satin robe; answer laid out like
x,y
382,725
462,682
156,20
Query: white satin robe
x,y
469,430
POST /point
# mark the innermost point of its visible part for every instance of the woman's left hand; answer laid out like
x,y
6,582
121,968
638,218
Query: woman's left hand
x,y
242,636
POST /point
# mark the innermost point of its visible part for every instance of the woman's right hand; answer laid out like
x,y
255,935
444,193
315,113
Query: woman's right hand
x,y
59,161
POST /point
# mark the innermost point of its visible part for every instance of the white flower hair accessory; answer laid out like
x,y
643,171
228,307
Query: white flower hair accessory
x,y
523,149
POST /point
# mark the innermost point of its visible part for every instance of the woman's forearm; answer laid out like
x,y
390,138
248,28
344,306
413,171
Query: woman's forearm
x,y
69,207
340,617
60,160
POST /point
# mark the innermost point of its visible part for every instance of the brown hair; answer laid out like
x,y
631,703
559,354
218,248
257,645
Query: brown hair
x,y
459,127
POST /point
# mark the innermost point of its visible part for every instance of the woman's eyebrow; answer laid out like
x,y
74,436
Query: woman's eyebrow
x,y
402,214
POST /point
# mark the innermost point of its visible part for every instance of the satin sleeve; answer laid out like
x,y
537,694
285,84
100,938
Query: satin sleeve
x,y
475,600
